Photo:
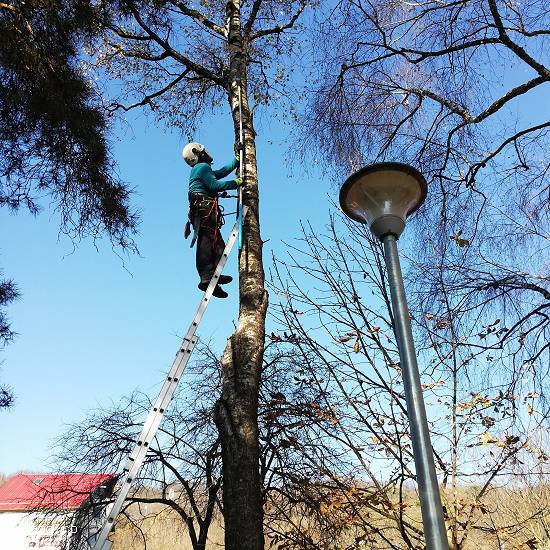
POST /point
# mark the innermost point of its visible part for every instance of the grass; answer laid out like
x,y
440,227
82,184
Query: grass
x,y
508,518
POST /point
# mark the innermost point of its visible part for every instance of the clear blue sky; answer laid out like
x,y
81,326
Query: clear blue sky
x,y
92,329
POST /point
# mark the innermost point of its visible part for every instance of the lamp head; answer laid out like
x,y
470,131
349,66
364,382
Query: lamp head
x,y
383,195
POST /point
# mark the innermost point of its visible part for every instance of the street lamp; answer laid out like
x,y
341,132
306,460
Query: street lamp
x,y
382,196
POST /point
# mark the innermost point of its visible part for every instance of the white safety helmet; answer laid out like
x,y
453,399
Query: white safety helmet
x,y
191,153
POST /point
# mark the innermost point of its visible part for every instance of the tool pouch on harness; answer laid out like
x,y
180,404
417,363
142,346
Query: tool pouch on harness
x,y
194,221
187,230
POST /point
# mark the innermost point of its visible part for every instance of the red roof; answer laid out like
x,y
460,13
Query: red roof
x,y
65,491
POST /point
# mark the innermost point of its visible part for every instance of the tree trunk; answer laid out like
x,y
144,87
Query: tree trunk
x,y
236,412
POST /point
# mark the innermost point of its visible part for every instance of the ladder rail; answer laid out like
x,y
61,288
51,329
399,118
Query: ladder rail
x,y
156,412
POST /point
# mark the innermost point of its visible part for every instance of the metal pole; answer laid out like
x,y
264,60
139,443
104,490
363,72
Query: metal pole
x,y
428,489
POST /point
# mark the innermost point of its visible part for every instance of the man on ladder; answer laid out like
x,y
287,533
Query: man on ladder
x,y
204,212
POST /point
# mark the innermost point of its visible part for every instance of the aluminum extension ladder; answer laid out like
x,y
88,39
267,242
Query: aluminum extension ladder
x,y
156,413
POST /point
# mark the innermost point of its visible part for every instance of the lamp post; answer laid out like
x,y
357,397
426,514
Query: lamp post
x,y
382,196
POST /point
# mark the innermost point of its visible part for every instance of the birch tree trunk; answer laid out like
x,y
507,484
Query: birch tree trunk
x,y
236,411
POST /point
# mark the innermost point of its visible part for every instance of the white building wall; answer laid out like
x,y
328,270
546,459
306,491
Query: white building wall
x,y
23,531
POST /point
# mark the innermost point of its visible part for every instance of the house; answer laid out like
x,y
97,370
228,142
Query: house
x,y
47,510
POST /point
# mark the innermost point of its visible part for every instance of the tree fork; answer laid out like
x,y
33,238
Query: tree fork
x,y
236,411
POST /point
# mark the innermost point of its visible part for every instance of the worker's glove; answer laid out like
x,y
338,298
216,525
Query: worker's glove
x,y
237,156
239,181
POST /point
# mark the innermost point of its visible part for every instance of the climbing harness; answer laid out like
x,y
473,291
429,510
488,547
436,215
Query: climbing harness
x,y
156,413
194,218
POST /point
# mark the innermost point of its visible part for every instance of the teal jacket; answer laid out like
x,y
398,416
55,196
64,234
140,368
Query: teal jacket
x,y
206,181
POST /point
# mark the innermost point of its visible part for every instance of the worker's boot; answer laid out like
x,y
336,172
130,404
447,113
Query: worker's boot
x,y
219,292
223,280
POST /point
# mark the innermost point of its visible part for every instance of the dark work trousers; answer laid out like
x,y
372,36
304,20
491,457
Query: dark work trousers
x,y
210,244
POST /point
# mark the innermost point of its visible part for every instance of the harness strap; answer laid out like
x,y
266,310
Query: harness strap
x,y
195,218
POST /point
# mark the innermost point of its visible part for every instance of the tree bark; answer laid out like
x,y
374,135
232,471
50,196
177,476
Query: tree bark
x,y
236,411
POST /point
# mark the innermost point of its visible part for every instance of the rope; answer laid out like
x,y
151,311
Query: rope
x,y
217,210
241,167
